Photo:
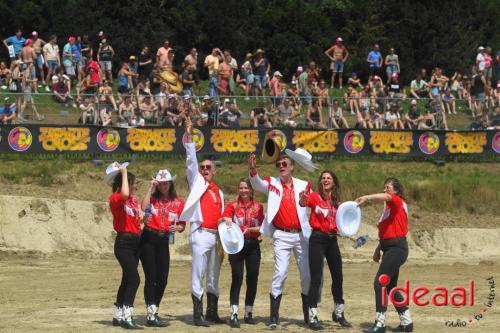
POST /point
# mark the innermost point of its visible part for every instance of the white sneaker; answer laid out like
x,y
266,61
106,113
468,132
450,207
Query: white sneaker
x,y
47,89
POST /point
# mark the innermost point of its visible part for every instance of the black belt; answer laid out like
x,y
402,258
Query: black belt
x,y
127,234
289,230
157,232
329,234
393,241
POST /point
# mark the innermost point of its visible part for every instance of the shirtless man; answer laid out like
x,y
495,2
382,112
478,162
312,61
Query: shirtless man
x,y
338,55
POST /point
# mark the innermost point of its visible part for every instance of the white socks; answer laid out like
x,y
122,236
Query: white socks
x,y
117,313
339,309
248,309
380,319
127,313
405,318
234,310
313,313
151,310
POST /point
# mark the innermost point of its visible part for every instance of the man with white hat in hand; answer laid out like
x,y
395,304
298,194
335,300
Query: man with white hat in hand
x,y
287,223
203,208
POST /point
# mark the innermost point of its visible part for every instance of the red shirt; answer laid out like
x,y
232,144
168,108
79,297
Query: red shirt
x,y
247,215
394,221
287,217
323,214
125,213
211,208
164,212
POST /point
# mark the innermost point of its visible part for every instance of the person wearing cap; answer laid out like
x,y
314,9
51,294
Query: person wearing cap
x,y
105,55
15,42
248,214
209,108
165,207
38,44
394,88
125,76
7,112
262,67
127,224
338,55
392,64
28,56
68,57
480,59
247,73
52,59
375,61
392,231
287,224
323,245
203,209
276,87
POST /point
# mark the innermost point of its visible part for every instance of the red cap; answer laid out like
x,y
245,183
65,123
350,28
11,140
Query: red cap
x,y
28,41
71,39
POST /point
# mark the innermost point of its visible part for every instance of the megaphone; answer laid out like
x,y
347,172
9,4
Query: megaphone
x,y
273,145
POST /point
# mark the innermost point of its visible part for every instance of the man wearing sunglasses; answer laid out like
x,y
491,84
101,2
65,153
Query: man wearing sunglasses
x,y
288,225
203,208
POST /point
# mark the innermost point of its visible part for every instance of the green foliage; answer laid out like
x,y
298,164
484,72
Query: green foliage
x,y
293,32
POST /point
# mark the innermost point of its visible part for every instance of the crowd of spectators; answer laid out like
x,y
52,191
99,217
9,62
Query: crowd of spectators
x,y
82,75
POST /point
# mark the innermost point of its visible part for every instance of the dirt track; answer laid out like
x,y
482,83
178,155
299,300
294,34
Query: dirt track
x,y
76,295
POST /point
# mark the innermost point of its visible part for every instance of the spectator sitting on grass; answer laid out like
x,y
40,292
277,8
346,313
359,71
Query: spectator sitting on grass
x,y
449,101
377,87
315,116
457,87
419,88
337,118
288,114
125,79
354,81
4,75
394,88
351,99
175,113
362,119
293,92
392,117
148,110
436,110
126,111
88,112
412,119
106,93
313,75
230,115
376,119
60,90
259,116
496,95
321,93
7,112
209,108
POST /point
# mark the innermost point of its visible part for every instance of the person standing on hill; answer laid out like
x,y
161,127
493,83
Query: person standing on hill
x,y
392,231
127,224
203,209
338,55
374,60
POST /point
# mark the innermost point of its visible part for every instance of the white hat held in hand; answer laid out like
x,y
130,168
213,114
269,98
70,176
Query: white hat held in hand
x,y
164,176
301,157
231,238
348,218
113,170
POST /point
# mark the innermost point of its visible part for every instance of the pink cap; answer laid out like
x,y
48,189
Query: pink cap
x,y
375,78
413,102
339,40
394,75
300,69
34,33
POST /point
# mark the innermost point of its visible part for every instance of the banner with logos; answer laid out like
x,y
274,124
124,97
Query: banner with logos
x,y
36,139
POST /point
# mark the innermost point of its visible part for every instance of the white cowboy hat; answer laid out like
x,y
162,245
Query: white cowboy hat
x,y
302,157
112,170
164,176
231,238
348,218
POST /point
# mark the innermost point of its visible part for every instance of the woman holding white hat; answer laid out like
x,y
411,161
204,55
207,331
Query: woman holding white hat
x,y
127,224
323,244
165,207
393,227
248,214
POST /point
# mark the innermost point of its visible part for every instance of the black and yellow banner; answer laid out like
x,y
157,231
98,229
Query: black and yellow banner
x,y
34,139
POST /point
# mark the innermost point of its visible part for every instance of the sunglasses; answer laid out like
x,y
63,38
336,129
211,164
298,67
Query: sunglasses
x,y
205,167
281,164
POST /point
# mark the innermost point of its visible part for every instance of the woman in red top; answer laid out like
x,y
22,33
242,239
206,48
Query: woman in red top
x,y
323,244
127,224
164,208
393,227
248,214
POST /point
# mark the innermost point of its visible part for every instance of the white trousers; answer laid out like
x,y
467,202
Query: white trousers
x,y
284,244
205,263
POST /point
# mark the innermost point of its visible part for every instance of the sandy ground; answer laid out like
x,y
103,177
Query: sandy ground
x,y
76,295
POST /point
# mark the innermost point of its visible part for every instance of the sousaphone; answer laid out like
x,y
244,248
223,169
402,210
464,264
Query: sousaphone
x,y
172,79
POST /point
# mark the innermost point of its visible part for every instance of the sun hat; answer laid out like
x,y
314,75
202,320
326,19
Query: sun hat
x,y
231,238
302,157
348,218
278,73
132,57
248,56
112,171
164,176
259,51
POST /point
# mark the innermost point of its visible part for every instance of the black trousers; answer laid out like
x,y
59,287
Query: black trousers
x,y
249,258
127,253
321,246
395,255
155,258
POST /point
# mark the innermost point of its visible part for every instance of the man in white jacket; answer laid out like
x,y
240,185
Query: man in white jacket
x,y
203,209
288,225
